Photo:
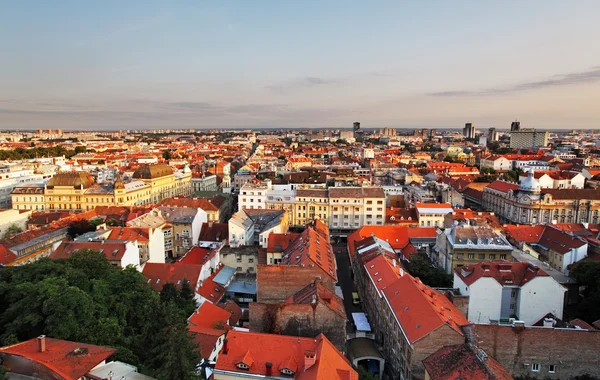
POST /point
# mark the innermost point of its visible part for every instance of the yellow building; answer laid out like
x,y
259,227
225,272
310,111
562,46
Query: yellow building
x,y
77,191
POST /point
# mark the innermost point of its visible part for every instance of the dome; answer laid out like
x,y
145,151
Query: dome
x,y
79,180
530,183
152,171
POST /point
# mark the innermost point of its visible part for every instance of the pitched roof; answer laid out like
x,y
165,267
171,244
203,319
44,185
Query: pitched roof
x,y
420,309
112,251
159,274
312,248
280,242
78,179
505,272
502,186
316,292
210,290
70,360
206,338
209,315
197,255
129,234
559,241
527,234
382,273
152,171
234,309
559,194
202,203
282,351
216,232
460,362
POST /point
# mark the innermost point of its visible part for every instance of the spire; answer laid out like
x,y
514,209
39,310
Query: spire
x,y
118,182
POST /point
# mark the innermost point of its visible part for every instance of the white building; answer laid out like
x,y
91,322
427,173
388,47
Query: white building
x,y
500,290
12,217
432,214
253,195
498,163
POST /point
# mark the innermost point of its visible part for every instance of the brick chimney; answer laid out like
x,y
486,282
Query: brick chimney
x,y
269,366
41,340
310,358
225,347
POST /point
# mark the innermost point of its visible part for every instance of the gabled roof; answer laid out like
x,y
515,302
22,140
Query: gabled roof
x,y
69,360
382,273
559,241
129,234
280,242
282,351
316,292
460,362
112,251
216,232
159,274
524,233
559,194
420,309
197,255
506,273
502,186
206,338
210,316
235,311
312,248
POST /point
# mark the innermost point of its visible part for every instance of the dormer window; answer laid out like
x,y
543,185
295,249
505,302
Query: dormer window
x,y
285,371
242,366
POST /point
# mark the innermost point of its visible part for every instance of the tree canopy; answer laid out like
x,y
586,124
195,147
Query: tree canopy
x,y
587,274
85,299
420,266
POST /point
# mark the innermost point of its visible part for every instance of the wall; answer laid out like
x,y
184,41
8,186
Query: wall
x,y
541,296
573,352
156,245
305,320
201,217
429,344
275,283
131,256
485,300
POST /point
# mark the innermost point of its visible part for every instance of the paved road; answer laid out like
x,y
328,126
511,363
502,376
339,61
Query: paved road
x,y
345,280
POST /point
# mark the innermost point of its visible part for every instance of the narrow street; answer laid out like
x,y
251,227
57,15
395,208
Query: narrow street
x,y
345,280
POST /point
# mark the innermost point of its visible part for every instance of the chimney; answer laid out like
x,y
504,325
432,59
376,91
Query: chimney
x,y
314,299
41,343
310,358
225,347
269,366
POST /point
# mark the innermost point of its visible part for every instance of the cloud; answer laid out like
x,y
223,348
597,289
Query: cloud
x,y
592,75
305,82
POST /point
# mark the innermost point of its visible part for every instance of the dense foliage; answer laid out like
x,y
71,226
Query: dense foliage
x,y
85,299
22,154
420,266
587,274
80,227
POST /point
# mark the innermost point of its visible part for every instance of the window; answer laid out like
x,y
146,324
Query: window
x,y
513,306
481,256
552,368
492,257
502,257
471,256
250,259
513,294
535,367
239,269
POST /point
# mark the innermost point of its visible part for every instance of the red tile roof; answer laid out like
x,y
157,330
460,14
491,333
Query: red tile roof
x,y
527,234
210,290
280,242
283,352
420,309
216,232
206,338
197,256
69,360
235,311
210,316
6,256
159,274
460,362
505,272
502,186
316,292
312,248
559,241
129,234
382,273
112,251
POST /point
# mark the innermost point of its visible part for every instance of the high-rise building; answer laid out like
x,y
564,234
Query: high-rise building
x,y
356,129
424,132
469,131
492,134
416,133
432,133
528,138
515,126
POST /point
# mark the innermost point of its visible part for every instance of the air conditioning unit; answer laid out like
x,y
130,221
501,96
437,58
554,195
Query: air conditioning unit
x,y
511,320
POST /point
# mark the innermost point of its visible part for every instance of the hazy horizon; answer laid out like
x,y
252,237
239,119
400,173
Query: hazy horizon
x,y
264,64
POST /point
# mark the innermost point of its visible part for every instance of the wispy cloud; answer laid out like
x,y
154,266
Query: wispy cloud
x,y
589,76
306,82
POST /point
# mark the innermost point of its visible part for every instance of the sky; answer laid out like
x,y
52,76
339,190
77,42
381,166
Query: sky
x,y
312,64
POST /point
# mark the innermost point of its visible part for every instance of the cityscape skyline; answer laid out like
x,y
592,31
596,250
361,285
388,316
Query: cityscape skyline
x,y
147,65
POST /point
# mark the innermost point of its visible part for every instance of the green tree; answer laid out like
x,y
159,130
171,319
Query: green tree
x,y
80,149
420,266
79,227
13,229
587,275
363,374
167,155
